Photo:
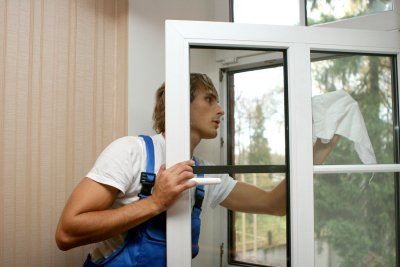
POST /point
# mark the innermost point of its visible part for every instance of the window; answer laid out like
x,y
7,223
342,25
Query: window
x,y
368,79
322,11
365,14
358,204
256,127
283,12
298,43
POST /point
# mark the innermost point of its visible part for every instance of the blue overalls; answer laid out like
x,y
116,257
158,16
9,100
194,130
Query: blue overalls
x,y
145,244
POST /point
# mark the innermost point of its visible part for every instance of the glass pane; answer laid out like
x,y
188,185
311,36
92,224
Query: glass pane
x,y
354,220
283,12
258,132
321,11
352,98
250,87
259,117
260,239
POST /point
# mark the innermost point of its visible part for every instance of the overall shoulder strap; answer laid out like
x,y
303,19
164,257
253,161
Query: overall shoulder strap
x,y
149,153
148,177
199,192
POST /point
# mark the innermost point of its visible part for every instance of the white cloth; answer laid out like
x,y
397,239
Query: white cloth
x,y
338,113
121,163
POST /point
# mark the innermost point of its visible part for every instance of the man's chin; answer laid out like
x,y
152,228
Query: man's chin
x,y
210,135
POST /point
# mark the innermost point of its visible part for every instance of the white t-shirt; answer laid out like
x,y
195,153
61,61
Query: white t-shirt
x,y
121,163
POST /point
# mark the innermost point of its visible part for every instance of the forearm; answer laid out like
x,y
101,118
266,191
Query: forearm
x,y
251,199
322,150
95,226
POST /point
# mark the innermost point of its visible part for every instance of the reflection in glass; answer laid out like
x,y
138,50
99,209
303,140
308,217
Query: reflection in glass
x,y
354,220
368,81
321,11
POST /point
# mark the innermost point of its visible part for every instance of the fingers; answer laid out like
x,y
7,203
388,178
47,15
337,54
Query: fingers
x,y
181,167
184,176
171,182
187,185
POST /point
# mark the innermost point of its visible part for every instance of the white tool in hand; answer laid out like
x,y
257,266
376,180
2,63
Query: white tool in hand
x,y
208,180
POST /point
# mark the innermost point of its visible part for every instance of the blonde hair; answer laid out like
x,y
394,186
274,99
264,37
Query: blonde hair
x,y
197,80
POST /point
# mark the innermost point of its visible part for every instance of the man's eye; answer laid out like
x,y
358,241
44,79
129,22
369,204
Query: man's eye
x,y
208,99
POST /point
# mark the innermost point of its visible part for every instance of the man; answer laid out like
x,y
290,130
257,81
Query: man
x,y
107,204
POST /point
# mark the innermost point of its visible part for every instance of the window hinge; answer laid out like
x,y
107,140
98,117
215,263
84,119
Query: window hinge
x,y
222,142
221,74
221,254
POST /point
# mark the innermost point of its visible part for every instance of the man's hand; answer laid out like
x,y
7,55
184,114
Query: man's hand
x,y
171,182
321,150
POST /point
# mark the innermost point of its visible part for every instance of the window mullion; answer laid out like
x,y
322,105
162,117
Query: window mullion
x,y
301,158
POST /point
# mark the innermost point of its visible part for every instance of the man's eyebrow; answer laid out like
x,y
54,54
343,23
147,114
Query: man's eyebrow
x,y
211,94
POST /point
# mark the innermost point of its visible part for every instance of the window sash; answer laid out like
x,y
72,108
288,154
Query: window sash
x,y
298,42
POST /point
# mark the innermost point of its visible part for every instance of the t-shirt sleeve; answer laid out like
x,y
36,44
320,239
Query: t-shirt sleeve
x,y
218,193
116,164
215,194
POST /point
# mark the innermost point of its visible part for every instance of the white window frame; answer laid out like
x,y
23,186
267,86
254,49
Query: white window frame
x,y
299,41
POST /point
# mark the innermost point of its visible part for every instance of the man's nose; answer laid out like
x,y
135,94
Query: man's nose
x,y
220,111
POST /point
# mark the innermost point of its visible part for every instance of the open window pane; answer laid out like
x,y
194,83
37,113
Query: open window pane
x,y
352,98
321,11
355,220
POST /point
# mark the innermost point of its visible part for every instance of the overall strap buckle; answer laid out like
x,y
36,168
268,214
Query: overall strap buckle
x,y
199,196
147,180
199,192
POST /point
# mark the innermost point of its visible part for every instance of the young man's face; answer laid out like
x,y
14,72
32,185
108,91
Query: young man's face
x,y
205,114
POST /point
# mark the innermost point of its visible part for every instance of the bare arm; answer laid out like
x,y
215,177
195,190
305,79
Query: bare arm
x,y
87,216
321,150
251,199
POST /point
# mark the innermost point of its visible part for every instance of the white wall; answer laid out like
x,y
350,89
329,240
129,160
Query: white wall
x,y
147,50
